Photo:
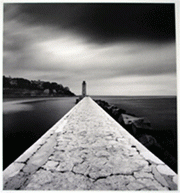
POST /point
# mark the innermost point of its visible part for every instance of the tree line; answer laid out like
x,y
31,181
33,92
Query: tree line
x,y
52,88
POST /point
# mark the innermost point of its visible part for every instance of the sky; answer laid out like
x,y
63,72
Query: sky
x,y
117,48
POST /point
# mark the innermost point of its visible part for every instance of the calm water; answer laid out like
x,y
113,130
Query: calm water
x,y
24,123
160,110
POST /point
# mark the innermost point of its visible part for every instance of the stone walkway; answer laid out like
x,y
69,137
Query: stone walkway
x,y
88,150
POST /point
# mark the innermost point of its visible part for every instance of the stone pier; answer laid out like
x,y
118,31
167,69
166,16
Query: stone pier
x,y
88,150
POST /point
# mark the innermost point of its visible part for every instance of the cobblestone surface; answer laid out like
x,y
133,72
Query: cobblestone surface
x,y
88,150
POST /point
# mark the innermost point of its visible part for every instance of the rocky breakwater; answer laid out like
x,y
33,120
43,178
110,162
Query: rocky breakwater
x,y
88,150
140,128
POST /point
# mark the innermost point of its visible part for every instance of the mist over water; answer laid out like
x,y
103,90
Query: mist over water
x,y
24,123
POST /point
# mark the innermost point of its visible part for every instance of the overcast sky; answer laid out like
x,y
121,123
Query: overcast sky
x,y
118,49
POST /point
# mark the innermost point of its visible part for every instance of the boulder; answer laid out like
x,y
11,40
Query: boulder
x,y
147,140
138,125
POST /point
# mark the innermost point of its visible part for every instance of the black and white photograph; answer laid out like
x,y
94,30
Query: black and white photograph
x,y
89,97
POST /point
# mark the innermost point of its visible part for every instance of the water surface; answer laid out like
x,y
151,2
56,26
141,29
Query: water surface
x,y
25,121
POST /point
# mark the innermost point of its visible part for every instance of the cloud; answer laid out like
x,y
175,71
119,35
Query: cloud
x,y
57,47
134,85
118,59
103,22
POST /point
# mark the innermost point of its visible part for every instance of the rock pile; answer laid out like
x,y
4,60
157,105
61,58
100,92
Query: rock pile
x,y
140,128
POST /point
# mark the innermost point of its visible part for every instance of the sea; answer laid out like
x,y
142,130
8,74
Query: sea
x,y
26,120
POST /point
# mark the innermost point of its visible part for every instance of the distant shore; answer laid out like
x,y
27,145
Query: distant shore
x,y
20,87
9,99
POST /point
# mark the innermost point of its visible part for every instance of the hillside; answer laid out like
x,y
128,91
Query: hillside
x,y
20,87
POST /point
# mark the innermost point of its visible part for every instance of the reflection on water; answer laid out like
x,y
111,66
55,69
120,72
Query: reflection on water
x,y
24,122
9,107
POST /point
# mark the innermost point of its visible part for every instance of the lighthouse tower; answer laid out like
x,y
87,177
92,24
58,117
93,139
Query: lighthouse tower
x,y
83,89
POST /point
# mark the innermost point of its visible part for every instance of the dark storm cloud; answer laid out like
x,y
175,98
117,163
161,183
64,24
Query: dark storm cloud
x,y
14,42
105,22
114,47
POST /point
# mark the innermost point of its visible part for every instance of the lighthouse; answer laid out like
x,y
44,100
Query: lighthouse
x,y
83,89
